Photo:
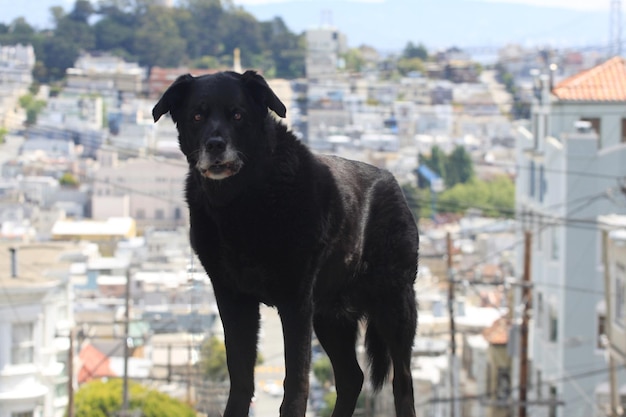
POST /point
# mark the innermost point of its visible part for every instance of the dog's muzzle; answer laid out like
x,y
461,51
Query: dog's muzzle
x,y
218,160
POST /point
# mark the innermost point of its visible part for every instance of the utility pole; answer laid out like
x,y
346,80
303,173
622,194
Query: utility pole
x,y
189,358
70,376
613,386
615,27
125,404
454,377
523,358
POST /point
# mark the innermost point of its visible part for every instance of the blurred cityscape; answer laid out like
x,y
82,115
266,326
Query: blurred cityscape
x,y
515,170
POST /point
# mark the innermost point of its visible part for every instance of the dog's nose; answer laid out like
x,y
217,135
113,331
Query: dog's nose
x,y
216,145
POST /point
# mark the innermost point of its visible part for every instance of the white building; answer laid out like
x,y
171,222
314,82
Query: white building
x,y
35,319
613,393
569,173
149,190
324,48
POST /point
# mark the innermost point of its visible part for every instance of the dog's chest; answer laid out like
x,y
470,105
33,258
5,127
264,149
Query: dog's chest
x,y
260,252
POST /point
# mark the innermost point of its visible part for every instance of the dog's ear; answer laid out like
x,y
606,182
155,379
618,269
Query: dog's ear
x,y
172,98
263,93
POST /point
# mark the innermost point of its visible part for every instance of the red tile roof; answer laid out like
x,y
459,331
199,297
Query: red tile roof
x,y
605,82
498,333
94,364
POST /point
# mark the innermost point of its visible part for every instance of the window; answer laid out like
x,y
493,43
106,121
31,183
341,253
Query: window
x,y
595,125
532,179
535,130
503,390
22,347
623,130
61,389
540,312
542,183
23,414
620,295
601,331
141,214
538,386
554,251
553,325
553,395
159,214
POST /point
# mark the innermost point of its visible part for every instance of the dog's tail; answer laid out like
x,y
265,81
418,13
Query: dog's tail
x,y
379,357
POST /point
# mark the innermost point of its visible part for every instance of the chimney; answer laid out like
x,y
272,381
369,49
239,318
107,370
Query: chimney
x,y
13,262
237,60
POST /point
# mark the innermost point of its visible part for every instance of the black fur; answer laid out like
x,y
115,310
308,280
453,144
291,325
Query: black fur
x,y
328,241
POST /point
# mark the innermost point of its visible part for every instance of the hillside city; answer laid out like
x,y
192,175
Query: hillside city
x,y
515,170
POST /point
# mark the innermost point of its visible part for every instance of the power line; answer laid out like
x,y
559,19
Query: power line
x,y
487,394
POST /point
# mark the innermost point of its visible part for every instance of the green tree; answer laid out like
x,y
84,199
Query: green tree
x,y
115,30
454,168
459,167
419,200
199,24
32,106
68,180
354,59
60,53
437,161
495,198
241,30
3,134
415,51
19,32
329,404
286,49
157,39
213,360
104,399
408,65
323,370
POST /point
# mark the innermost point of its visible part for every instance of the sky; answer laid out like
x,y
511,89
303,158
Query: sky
x,y
565,4
389,25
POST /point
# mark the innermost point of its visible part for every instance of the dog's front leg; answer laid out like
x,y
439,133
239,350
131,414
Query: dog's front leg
x,y
297,318
240,319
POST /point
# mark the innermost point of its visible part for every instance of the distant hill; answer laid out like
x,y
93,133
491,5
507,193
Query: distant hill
x,y
389,25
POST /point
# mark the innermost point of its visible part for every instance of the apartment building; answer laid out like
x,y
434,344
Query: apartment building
x,y
35,319
570,163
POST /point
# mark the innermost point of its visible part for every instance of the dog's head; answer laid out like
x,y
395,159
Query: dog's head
x,y
220,118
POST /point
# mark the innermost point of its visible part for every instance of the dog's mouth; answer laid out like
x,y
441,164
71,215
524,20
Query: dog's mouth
x,y
220,170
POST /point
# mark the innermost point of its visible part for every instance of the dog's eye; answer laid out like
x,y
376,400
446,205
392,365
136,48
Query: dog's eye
x,y
197,117
237,116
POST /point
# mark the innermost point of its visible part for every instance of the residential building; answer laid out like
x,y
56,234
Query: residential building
x,y
149,190
570,161
105,233
35,321
324,47
16,66
498,381
161,78
613,393
98,73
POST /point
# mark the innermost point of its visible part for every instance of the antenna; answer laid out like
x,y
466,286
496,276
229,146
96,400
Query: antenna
x,y
615,39
326,18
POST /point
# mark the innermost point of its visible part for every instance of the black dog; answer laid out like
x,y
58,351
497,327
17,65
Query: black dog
x,y
327,241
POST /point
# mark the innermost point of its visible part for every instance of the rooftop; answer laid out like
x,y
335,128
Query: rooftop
x,y
605,82
114,226
498,333
36,264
